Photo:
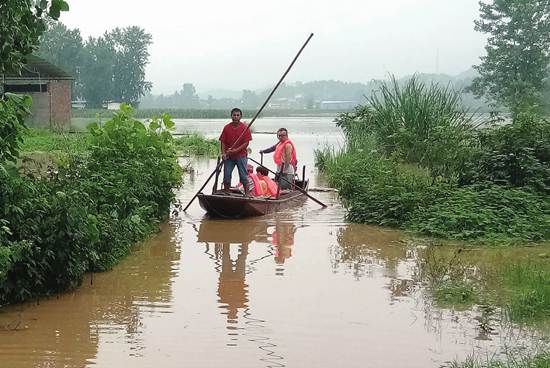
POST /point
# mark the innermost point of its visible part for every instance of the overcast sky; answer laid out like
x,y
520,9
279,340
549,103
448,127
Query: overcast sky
x,y
247,44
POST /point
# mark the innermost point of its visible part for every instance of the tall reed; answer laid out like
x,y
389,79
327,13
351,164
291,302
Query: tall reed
x,y
420,124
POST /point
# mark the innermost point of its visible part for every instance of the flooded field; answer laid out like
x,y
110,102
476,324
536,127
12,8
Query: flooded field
x,y
299,288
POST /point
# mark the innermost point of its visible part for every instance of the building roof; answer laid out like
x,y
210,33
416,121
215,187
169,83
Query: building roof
x,y
38,68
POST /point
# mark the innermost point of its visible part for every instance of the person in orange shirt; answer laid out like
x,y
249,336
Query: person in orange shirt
x,y
253,185
269,187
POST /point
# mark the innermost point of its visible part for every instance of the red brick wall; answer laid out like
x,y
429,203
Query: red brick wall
x,y
60,104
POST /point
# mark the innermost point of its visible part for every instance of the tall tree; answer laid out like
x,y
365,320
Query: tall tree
x,y
132,55
63,47
98,60
518,53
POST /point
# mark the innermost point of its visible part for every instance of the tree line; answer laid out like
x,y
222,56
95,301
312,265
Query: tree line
x,y
110,67
302,95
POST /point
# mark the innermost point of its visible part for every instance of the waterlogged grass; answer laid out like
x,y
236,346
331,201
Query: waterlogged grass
x,y
196,144
43,140
517,280
529,287
451,278
541,360
459,294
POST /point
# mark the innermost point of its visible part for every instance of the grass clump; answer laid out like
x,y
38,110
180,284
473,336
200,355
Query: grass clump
x,y
457,294
529,287
450,277
196,144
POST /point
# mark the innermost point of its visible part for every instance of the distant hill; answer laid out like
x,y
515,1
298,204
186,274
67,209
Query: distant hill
x,y
310,95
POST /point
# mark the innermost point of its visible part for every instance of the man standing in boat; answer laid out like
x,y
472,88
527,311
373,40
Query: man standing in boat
x,y
285,159
234,140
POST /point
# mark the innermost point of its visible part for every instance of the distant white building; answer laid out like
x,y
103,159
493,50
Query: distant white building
x,y
337,105
113,105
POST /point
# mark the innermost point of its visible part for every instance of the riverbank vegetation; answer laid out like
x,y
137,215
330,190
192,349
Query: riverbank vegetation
x,y
110,190
416,160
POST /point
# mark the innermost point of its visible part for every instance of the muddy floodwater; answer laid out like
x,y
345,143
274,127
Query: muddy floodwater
x,y
299,288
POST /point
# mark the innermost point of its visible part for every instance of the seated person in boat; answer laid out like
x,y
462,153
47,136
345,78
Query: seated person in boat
x,y
269,187
285,159
259,184
253,186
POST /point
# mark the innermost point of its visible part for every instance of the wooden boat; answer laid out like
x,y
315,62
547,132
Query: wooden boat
x,y
235,205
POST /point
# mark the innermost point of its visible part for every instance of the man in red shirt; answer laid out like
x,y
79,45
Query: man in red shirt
x,y
234,143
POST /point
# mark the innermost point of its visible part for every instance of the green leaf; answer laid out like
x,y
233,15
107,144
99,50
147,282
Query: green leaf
x,y
57,7
153,125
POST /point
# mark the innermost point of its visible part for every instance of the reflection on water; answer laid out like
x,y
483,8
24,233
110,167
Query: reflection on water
x,y
231,240
283,240
232,288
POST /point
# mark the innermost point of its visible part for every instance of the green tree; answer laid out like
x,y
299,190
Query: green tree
x,y
63,47
518,53
131,56
98,61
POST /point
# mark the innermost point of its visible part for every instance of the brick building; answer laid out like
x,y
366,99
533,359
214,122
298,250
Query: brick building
x,y
50,89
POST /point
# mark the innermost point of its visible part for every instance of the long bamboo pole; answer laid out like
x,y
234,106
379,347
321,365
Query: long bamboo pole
x,y
253,119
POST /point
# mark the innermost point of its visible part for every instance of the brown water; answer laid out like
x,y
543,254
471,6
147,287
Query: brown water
x,y
300,288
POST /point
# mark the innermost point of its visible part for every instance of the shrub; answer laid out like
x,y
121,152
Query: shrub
x,y
130,173
376,189
13,110
50,241
86,215
515,155
491,213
